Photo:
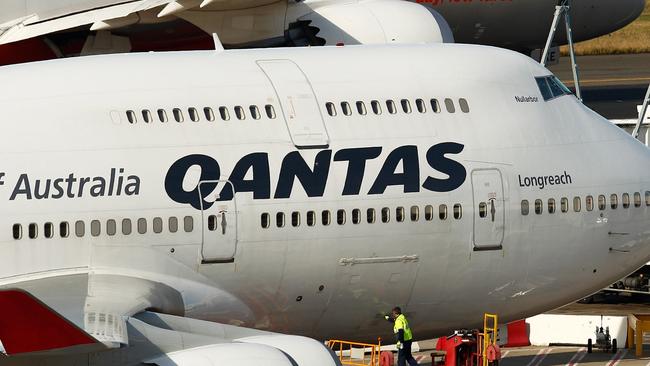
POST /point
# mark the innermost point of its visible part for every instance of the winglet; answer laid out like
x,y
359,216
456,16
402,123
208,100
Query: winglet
x,y
27,325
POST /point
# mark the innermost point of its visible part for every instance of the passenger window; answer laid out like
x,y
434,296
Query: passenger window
x,y
270,111
626,200
458,211
255,112
602,203
64,229
390,106
385,215
647,198
32,230
420,105
525,207
209,114
212,223
311,218
415,213
435,106
194,115
157,225
340,217
449,104
188,224
406,106
79,228
539,207
326,217
173,224
126,227
370,215
345,107
551,205
146,116
162,115
589,203
637,199
178,115
295,219
482,210
265,220
361,108
95,228
399,214
48,230
464,106
130,116
239,112
577,204
17,231
442,212
564,204
279,219
142,226
111,227
356,216
224,114
376,107
613,201
331,109
428,212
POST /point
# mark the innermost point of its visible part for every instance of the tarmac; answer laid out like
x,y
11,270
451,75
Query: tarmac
x,y
559,356
612,85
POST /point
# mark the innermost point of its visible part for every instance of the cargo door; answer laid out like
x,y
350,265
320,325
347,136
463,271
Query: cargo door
x,y
298,102
218,222
489,209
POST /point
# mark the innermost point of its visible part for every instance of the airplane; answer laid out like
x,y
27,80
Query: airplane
x,y
245,205
40,29
509,24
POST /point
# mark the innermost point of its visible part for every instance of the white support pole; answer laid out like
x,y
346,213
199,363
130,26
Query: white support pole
x,y
642,113
574,64
551,34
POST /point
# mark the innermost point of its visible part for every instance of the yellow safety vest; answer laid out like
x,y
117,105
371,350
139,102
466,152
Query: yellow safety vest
x,y
402,323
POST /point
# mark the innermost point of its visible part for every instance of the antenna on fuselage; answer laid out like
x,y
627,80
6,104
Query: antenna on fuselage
x,y
218,46
563,7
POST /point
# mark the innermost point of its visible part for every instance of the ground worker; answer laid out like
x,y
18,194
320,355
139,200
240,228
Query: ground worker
x,y
404,337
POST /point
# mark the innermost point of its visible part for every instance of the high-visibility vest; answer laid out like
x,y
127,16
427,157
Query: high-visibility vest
x,y
402,323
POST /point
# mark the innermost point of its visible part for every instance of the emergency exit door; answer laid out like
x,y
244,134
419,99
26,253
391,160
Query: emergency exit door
x,y
218,221
298,102
489,209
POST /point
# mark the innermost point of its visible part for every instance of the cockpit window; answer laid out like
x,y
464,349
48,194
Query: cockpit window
x,y
551,87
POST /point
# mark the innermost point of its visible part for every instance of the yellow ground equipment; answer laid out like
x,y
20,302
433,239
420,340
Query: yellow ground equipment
x,y
355,353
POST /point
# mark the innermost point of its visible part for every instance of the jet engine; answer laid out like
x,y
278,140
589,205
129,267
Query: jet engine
x,y
367,22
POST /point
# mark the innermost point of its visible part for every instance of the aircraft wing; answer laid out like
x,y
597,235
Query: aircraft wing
x,y
103,15
106,315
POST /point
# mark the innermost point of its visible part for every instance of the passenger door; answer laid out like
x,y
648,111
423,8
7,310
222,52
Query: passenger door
x,y
218,223
298,101
489,209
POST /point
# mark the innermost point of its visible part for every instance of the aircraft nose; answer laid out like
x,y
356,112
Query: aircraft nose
x,y
593,18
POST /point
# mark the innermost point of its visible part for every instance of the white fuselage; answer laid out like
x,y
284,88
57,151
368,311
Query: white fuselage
x,y
67,120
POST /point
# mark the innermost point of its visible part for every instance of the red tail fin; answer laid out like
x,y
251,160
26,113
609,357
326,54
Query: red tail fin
x,y
27,325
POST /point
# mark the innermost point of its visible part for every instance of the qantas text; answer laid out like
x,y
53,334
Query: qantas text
x,y
252,173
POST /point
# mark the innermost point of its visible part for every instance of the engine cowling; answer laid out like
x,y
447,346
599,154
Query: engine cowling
x,y
374,22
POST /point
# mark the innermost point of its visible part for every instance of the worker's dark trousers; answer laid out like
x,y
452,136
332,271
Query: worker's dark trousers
x,y
404,355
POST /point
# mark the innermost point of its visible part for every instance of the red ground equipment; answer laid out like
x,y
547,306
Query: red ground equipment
x,y
469,348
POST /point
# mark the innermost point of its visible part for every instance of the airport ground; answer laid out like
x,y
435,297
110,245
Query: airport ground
x,y
612,85
559,356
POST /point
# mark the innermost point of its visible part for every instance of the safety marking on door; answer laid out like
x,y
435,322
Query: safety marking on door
x,y
616,359
577,357
540,356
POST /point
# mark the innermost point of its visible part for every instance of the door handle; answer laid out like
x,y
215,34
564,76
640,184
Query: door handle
x,y
493,209
223,222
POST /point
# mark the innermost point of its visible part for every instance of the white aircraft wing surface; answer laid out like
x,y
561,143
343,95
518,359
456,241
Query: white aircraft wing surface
x,y
72,315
